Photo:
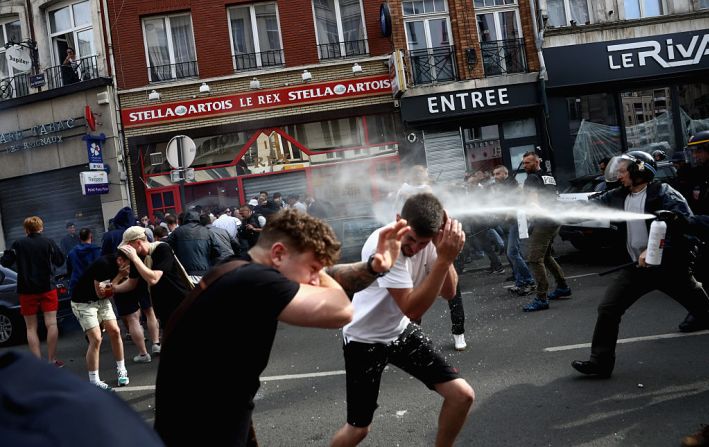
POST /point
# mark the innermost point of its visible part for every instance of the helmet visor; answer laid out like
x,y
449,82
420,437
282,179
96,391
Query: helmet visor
x,y
613,167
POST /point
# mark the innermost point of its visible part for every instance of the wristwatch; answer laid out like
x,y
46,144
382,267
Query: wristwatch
x,y
371,270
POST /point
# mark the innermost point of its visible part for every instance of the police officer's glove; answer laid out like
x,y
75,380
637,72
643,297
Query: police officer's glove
x,y
677,220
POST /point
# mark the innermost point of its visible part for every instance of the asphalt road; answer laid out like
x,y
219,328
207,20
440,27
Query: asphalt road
x,y
518,364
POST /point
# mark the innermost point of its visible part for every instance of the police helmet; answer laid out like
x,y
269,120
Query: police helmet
x,y
659,155
699,140
642,165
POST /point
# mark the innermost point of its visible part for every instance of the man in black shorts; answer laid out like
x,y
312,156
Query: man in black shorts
x,y
381,331
236,315
129,306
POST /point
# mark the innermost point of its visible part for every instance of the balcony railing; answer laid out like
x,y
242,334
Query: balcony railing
x,y
60,75
15,86
57,76
253,61
168,72
337,50
432,65
503,57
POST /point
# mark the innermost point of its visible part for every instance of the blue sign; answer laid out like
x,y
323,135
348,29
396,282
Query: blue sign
x,y
101,188
94,148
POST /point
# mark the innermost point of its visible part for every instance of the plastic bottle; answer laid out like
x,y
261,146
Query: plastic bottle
x,y
656,242
522,225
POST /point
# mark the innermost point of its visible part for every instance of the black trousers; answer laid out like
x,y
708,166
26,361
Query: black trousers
x,y
630,285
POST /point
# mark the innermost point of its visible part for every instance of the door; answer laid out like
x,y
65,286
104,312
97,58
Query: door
x,y
164,200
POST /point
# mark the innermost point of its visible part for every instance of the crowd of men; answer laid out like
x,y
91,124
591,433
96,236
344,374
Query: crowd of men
x,y
190,281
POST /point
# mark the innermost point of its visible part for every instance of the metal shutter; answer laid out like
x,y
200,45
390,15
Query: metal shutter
x,y
286,183
445,156
54,196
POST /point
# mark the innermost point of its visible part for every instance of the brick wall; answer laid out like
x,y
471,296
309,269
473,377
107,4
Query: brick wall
x,y
211,34
465,34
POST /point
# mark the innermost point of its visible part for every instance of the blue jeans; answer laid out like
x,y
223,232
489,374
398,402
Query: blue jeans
x,y
521,272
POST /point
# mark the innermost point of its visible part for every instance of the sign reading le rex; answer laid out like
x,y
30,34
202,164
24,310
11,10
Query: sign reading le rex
x,y
257,100
627,59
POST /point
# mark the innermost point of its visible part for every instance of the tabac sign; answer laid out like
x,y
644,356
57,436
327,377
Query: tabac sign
x,y
627,59
256,100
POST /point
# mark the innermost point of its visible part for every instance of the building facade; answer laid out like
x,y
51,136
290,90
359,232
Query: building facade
x,y
474,96
623,75
282,96
57,107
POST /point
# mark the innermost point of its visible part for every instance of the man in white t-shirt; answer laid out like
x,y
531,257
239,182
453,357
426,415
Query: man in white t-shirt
x,y
381,331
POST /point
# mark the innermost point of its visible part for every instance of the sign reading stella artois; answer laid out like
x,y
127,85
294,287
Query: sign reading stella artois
x,y
256,100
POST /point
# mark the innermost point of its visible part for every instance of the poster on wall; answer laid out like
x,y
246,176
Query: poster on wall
x,y
94,148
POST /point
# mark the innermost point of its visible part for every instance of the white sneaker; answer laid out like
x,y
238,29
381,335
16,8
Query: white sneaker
x,y
156,349
142,358
103,385
123,379
460,344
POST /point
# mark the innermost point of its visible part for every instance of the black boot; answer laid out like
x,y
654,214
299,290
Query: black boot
x,y
592,368
693,324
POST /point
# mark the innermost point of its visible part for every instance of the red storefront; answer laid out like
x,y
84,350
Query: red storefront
x,y
333,140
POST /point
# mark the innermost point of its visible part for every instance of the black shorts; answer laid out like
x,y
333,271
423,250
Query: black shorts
x,y
128,303
413,352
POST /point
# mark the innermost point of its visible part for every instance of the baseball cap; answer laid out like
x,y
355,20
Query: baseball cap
x,y
133,234
253,202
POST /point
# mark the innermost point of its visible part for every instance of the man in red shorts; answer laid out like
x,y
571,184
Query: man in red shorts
x,y
34,256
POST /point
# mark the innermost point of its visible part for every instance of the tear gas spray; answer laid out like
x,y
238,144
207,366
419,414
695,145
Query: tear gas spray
x,y
656,242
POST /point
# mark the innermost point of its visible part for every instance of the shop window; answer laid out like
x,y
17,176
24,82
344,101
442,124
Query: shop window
x,y
13,83
483,150
594,131
519,128
501,42
163,202
169,47
339,27
694,108
648,122
428,36
255,36
382,129
212,195
703,4
636,9
567,12
328,135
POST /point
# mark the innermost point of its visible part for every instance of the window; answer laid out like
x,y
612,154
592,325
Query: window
x,y
635,9
594,131
568,12
11,85
428,37
703,4
339,28
501,42
648,119
485,3
169,47
255,36
70,27
694,108
483,150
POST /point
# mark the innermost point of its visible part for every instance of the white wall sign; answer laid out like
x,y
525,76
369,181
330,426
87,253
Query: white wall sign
x,y
19,58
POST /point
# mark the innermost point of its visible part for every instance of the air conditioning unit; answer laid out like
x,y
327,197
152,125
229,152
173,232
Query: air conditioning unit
x,y
156,159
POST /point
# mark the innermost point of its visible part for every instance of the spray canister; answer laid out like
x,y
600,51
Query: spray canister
x,y
656,243
522,225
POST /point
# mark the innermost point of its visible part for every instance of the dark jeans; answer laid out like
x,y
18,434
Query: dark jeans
x,y
630,285
521,272
540,258
455,305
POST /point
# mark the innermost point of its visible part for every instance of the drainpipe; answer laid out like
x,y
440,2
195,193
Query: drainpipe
x,y
124,165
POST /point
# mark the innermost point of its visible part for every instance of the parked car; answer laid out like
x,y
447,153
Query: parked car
x,y
12,324
353,233
600,235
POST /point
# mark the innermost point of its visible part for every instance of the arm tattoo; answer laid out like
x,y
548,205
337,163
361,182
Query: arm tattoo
x,y
352,277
